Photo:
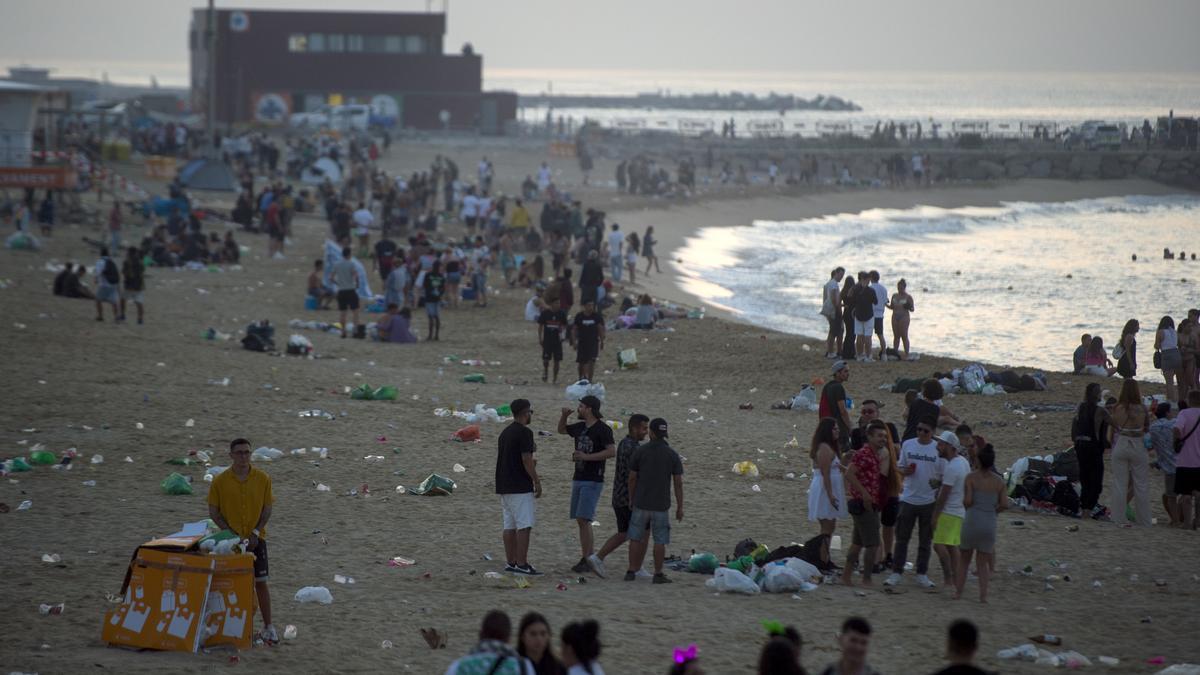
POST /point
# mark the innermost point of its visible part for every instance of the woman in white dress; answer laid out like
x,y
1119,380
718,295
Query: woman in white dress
x,y
826,495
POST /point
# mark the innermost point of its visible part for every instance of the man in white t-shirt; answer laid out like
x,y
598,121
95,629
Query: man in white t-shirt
x,y
831,305
470,210
948,510
918,168
881,298
543,178
615,261
920,464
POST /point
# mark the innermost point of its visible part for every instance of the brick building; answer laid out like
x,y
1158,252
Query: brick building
x,y
270,64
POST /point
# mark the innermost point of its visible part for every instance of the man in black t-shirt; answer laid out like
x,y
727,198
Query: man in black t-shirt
x,y
864,316
593,445
587,337
654,469
868,411
833,402
962,642
639,426
552,325
518,485
385,257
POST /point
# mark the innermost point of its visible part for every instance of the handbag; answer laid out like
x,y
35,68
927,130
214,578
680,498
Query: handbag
x,y
1180,441
1157,359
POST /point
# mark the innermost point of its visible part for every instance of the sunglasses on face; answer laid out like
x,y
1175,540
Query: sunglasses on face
x,y
924,430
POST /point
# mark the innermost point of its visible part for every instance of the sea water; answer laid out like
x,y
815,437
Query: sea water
x,y
1015,284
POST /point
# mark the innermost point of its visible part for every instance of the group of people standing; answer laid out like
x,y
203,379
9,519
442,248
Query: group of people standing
x,y
855,311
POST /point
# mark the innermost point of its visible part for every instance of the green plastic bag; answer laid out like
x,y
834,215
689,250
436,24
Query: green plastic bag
x,y
475,377
504,410
19,464
704,563
434,485
176,484
181,461
760,554
362,392
385,393
742,564
42,457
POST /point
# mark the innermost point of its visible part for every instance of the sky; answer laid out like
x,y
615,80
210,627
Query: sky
x,y
131,40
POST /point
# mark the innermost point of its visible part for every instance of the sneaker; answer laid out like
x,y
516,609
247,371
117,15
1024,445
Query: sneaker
x,y
510,567
925,582
581,566
632,576
893,580
596,564
270,635
661,578
643,574
527,570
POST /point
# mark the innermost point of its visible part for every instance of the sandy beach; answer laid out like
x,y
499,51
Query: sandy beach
x,y
128,391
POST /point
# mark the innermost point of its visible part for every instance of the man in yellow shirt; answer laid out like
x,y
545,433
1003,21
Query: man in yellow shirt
x,y
240,500
520,217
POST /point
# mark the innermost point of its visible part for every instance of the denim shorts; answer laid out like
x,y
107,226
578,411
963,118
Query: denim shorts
x,y
585,495
659,523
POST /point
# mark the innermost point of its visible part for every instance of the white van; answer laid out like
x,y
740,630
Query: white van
x,y
352,117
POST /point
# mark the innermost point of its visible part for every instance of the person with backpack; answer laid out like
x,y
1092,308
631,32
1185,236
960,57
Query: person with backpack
x,y
108,285
492,654
1125,351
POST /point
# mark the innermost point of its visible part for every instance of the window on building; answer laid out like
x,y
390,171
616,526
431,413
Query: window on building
x,y
373,43
316,42
414,44
297,42
393,44
336,42
354,43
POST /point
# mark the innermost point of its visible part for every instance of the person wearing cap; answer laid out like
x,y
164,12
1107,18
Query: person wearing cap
x,y
833,401
655,467
518,485
948,509
594,444
920,464
587,337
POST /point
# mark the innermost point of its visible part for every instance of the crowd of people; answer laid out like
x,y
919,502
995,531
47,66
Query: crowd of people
x,y
580,649
855,311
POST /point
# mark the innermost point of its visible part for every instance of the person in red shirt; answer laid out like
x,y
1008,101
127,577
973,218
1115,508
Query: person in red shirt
x,y
865,495
274,230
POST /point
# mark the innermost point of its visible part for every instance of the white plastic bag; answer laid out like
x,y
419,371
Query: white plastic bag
x,y
1025,652
805,400
726,580
314,594
265,454
584,388
782,579
805,569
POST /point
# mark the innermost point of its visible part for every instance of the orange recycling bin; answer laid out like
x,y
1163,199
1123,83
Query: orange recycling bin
x,y
180,601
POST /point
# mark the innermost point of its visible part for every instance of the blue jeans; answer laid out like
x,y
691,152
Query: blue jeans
x,y
585,495
616,265
658,522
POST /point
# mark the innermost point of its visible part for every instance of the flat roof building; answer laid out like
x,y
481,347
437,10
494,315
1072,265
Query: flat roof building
x,y
270,64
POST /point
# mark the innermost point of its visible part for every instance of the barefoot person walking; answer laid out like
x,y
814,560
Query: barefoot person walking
x,y
902,308
983,496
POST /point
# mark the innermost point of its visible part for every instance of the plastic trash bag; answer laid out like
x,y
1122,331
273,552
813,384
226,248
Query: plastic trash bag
x,y
806,400
434,485
42,457
1025,652
584,388
467,434
176,484
215,471
704,563
782,579
726,580
265,454
22,241
299,344
477,378
746,468
362,392
314,594
805,569
627,358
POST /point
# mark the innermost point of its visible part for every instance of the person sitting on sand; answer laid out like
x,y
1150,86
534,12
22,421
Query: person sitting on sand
x,y
1078,359
646,314
60,279
928,403
1096,361
74,285
396,325
316,285
492,654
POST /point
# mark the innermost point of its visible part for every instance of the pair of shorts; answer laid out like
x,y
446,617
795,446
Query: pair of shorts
x,y
1187,480
948,530
518,511
552,350
879,326
1168,485
479,281
433,308
863,328
135,297
623,514
107,293
470,221
585,495
453,277
586,353
866,529
659,523
836,325
347,300
890,512
261,567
